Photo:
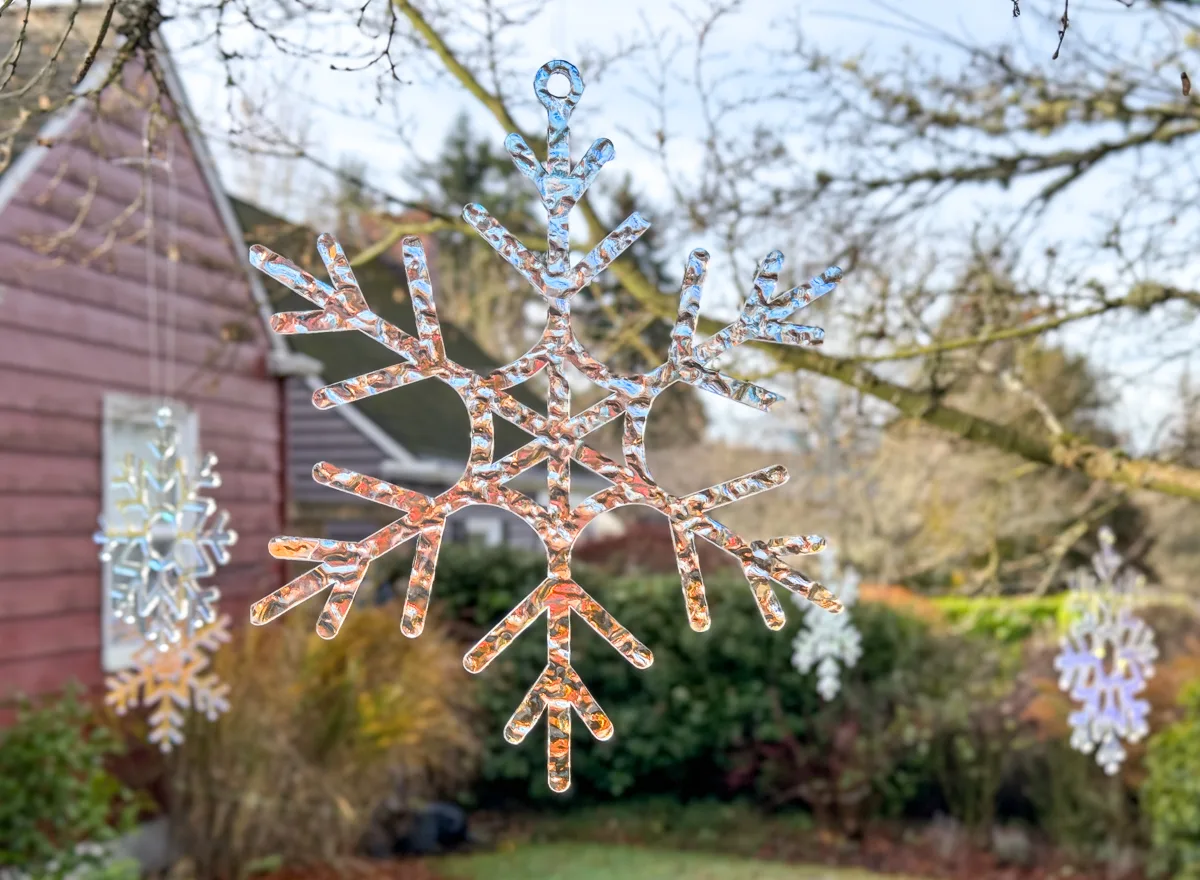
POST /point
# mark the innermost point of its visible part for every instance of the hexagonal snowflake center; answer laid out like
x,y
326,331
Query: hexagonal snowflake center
x,y
163,532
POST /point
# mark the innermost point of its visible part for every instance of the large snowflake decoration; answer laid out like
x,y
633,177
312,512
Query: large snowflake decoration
x,y
557,436
168,537
829,641
169,682
1106,658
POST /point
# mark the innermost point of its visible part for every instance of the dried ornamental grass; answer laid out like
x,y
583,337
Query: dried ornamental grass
x,y
318,734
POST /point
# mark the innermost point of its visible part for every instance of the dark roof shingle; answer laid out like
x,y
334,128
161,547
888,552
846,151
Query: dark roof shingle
x,y
426,418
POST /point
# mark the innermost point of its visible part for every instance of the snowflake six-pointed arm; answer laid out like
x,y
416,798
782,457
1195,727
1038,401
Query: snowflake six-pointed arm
x,y
763,319
558,690
560,188
761,561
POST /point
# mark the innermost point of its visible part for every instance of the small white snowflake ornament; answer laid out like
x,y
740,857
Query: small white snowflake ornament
x,y
167,536
172,681
830,642
1106,658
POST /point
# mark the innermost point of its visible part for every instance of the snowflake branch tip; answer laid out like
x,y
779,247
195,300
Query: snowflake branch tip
x,y
374,489
366,385
797,545
764,314
684,364
420,580
737,489
554,284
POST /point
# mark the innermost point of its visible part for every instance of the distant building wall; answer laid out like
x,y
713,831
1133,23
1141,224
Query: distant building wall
x,y
73,326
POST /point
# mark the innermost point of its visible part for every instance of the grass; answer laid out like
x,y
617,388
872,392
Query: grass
x,y
590,861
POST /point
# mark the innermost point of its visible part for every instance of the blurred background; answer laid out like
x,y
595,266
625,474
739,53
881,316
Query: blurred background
x,y
1009,368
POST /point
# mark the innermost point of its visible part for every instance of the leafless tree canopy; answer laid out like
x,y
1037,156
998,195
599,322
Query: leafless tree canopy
x,y
978,435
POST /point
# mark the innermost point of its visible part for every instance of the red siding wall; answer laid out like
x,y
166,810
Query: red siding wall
x,y
74,325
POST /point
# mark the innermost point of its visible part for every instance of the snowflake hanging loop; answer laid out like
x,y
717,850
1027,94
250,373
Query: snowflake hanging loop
x,y
170,682
557,436
829,642
168,537
1106,658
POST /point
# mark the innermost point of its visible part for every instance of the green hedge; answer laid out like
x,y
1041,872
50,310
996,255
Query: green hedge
x,y
1171,793
721,712
56,797
927,722
1007,619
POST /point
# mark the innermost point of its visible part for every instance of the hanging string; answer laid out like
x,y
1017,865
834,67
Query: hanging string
x,y
559,12
160,331
151,257
172,265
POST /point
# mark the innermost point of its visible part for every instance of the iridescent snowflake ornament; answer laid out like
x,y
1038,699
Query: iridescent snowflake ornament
x,y
171,682
168,536
557,436
830,642
1106,658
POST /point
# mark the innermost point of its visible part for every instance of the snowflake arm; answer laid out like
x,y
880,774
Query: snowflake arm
x,y
558,690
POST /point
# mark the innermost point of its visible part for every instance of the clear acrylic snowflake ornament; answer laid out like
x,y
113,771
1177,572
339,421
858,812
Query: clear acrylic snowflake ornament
x,y
171,682
829,642
557,436
166,538
1106,658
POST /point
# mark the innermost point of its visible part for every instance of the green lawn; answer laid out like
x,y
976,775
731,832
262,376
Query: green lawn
x,y
591,861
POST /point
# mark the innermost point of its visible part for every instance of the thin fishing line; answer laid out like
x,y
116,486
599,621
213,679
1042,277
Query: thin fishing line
x,y
149,245
172,266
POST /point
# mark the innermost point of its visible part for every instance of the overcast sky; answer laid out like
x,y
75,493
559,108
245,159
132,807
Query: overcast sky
x,y
428,105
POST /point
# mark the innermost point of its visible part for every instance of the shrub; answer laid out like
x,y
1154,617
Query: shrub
x,y
55,793
1171,793
1004,619
318,734
721,712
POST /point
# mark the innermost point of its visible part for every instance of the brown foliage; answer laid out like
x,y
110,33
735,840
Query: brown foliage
x,y
319,732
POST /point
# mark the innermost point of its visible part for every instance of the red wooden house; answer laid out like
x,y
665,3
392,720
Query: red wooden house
x,y
81,300
88,320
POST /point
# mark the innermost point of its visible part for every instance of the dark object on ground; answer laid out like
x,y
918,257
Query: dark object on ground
x,y
433,828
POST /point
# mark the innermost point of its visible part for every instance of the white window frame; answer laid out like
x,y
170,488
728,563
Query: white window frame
x,y
487,530
128,426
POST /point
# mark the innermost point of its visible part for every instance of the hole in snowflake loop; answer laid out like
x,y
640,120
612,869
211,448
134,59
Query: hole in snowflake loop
x,y
557,438
558,85
557,72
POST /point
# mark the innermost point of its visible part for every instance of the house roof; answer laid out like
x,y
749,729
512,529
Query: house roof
x,y
421,425
427,418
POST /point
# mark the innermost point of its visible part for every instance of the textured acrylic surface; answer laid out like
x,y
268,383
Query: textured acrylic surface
x,y
1106,659
170,682
167,537
829,642
557,436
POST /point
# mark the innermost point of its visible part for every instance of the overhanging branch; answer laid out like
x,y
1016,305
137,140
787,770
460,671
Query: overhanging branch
x,y
1066,452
